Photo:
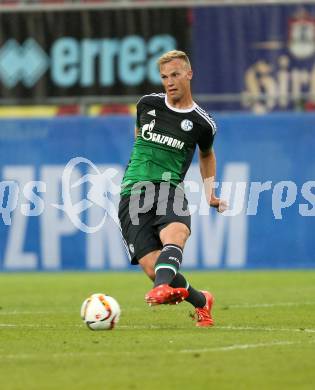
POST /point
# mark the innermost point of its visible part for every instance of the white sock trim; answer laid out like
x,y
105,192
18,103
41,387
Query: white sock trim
x,y
172,246
165,266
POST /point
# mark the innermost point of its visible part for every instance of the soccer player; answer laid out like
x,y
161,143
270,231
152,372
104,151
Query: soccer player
x,y
153,209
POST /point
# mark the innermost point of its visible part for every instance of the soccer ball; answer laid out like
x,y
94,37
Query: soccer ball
x,y
100,312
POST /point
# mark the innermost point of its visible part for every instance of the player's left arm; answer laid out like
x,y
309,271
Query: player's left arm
x,y
207,164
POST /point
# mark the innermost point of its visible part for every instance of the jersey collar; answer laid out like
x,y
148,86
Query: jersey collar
x,y
183,110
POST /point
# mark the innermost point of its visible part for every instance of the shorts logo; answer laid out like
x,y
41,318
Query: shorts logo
x,y
186,125
131,248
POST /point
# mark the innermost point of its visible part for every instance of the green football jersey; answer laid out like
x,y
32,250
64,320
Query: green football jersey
x,y
166,141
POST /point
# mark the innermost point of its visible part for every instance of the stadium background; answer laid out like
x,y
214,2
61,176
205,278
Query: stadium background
x,y
70,74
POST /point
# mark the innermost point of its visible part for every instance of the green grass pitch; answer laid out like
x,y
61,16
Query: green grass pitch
x,y
264,336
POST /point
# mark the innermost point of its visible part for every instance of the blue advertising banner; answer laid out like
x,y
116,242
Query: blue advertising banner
x,y
60,182
264,54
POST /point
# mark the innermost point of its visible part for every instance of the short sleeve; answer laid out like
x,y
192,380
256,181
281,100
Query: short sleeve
x,y
138,117
207,135
139,110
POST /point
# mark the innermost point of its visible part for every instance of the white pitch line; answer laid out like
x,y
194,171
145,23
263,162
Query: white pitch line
x,y
8,325
104,353
39,326
63,354
148,327
264,305
266,329
238,346
221,306
21,313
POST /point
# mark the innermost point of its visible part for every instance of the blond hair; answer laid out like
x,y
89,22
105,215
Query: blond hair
x,y
173,55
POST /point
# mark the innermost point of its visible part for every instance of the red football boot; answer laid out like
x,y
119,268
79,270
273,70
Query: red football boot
x,y
203,314
165,294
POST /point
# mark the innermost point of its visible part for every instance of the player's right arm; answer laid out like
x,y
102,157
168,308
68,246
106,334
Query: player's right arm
x,y
136,131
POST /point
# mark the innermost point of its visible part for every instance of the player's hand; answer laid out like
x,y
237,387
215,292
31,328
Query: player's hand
x,y
219,204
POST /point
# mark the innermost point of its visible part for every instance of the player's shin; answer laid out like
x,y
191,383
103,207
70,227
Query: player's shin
x,y
167,264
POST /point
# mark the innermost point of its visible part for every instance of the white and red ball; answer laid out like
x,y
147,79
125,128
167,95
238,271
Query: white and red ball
x,y
100,312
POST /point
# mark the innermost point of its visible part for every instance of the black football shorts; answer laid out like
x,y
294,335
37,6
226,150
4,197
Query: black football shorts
x,y
143,216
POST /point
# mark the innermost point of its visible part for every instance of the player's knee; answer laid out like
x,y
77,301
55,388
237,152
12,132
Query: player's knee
x,y
179,239
176,233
